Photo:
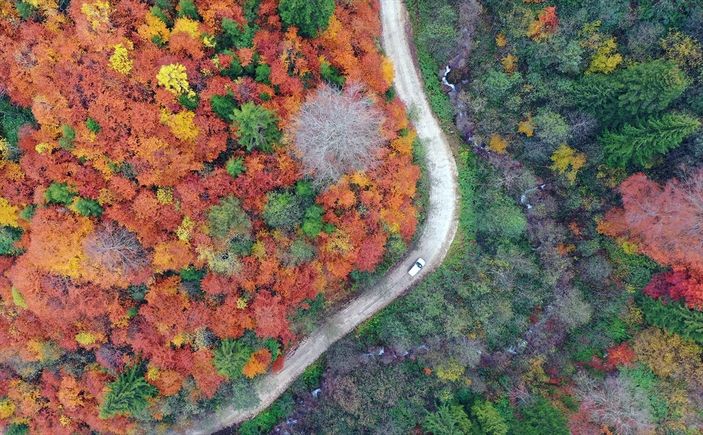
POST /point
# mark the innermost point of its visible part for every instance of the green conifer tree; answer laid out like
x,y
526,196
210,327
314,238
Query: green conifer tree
x,y
641,90
128,395
309,16
640,144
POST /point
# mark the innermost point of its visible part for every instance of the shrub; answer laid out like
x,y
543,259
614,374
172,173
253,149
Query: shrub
x,y
59,193
228,219
439,100
8,237
282,210
231,357
551,127
490,420
439,36
268,419
88,207
541,417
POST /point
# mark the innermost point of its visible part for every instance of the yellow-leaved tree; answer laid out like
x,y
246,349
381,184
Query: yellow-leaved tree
x,y
567,161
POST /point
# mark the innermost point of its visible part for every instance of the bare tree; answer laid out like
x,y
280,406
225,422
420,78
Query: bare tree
x,y
337,132
571,308
615,402
116,249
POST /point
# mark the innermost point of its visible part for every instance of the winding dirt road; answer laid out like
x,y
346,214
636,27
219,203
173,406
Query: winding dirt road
x,y
438,233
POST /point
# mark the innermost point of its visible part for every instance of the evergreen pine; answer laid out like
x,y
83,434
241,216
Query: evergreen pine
x,y
641,90
309,16
128,394
640,144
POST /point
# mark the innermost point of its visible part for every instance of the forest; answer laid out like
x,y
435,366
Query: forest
x,y
571,301
185,185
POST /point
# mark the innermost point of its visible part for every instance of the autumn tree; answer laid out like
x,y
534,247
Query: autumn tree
x,y
668,355
546,23
677,285
147,211
257,364
57,241
309,16
664,221
337,132
568,162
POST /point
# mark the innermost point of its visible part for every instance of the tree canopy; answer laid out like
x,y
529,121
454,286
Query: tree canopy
x,y
309,16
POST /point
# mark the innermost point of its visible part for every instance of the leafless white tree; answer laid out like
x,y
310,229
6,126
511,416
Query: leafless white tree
x,y
115,248
572,309
693,193
617,403
337,132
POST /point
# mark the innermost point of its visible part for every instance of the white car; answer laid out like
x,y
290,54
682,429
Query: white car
x,y
417,267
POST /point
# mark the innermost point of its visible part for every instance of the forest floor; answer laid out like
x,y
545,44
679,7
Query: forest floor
x,y
437,233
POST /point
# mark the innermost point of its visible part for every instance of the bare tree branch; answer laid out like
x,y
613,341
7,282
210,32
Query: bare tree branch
x,y
337,132
116,249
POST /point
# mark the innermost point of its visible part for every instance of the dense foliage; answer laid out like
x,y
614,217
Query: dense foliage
x,y
310,16
571,299
160,230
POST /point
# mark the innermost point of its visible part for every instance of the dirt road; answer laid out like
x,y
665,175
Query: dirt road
x,y
437,235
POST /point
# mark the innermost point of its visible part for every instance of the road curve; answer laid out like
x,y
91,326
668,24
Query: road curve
x,y
433,244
